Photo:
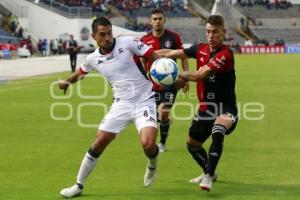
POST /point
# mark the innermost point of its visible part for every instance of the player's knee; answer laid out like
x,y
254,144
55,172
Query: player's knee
x,y
148,145
225,120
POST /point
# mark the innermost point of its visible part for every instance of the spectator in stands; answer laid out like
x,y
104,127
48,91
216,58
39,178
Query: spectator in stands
x,y
54,47
29,44
242,21
5,53
60,46
39,46
44,47
279,41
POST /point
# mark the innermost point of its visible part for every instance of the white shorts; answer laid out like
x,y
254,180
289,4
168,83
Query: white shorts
x,y
121,114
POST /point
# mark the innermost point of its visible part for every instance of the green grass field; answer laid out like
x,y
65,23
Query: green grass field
x,y
39,155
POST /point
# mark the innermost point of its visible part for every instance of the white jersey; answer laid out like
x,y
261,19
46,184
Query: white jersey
x,y
127,78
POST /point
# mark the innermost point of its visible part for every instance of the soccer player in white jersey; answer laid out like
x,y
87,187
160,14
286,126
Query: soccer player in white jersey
x,y
117,59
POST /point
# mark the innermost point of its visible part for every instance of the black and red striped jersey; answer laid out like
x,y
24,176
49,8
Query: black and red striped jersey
x,y
219,87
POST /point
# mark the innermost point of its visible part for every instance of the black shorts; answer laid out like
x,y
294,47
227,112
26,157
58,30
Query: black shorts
x,y
166,96
203,122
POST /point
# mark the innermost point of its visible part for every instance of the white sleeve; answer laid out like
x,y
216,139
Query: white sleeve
x,y
138,47
86,66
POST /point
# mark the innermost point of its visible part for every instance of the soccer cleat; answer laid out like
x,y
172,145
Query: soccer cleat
x,y
71,191
161,147
206,182
198,179
149,176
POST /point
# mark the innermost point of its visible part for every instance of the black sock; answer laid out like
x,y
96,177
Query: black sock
x,y
164,131
93,153
199,154
216,148
80,185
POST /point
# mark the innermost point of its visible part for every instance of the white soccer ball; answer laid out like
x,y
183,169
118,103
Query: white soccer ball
x,y
164,71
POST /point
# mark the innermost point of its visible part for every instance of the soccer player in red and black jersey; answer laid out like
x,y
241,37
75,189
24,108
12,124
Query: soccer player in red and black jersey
x,y
161,38
217,113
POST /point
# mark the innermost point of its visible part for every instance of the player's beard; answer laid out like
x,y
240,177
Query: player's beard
x,y
107,47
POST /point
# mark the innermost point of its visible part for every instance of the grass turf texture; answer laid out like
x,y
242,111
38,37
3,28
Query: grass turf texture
x,y
39,155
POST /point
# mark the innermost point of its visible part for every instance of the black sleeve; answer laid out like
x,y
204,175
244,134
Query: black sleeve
x,y
191,52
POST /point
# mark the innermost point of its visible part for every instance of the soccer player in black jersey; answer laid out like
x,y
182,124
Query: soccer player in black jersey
x,y
217,113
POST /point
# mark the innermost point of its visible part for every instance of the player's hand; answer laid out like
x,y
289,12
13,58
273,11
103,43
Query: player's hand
x,y
63,85
186,87
180,83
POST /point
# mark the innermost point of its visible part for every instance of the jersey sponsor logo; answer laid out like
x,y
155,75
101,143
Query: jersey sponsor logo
x,y
110,57
168,43
140,46
105,59
120,50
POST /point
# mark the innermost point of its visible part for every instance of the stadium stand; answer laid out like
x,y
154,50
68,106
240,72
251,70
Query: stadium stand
x,y
258,22
272,22
259,11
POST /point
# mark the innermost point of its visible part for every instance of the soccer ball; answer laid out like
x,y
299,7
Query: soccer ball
x,y
164,71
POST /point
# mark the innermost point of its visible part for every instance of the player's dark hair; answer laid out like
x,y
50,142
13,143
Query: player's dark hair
x,y
100,21
215,20
157,11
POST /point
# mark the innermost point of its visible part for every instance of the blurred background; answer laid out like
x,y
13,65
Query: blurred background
x,y
38,27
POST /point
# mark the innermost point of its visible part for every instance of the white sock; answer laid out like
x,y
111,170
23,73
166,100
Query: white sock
x,y
87,165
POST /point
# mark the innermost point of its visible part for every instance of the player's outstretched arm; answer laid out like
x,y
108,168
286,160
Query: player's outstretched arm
x,y
169,53
196,76
64,84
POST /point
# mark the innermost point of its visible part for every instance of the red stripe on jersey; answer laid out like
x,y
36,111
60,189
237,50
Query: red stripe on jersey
x,y
82,72
201,94
148,53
